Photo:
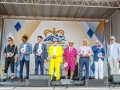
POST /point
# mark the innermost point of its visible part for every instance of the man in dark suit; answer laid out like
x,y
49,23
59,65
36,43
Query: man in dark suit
x,y
40,51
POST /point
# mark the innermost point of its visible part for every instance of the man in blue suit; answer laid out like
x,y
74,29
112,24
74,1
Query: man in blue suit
x,y
113,54
99,54
40,51
24,55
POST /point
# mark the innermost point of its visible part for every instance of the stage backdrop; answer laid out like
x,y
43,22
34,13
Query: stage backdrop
x,y
64,31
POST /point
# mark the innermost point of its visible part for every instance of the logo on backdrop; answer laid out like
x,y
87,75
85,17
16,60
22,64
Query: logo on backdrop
x,y
54,34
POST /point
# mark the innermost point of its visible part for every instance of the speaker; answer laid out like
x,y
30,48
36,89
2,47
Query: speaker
x,y
38,81
77,83
115,79
96,83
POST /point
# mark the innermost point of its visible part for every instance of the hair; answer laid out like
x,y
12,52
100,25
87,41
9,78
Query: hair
x,y
25,37
10,38
40,37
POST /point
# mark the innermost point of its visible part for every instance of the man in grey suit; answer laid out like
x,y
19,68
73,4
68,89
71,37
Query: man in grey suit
x,y
40,51
113,54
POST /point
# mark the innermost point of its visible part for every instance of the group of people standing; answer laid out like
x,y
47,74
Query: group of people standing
x,y
56,55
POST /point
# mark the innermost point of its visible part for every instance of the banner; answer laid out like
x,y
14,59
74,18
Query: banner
x,y
63,31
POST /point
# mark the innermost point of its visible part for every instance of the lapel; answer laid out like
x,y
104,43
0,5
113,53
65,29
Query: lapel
x,y
26,46
42,46
37,46
113,47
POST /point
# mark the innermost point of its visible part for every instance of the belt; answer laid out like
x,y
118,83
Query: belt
x,y
84,57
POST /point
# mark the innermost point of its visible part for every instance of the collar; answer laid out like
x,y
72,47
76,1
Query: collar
x,y
113,43
12,45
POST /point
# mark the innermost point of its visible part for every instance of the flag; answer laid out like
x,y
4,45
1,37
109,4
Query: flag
x,y
93,67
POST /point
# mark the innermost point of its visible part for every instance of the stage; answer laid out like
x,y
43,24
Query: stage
x,y
22,86
59,88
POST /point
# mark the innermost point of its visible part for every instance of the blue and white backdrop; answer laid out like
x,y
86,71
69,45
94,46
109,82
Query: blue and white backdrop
x,y
63,31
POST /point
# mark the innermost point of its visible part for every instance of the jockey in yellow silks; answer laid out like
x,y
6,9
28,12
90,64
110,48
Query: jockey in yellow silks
x,y
55,55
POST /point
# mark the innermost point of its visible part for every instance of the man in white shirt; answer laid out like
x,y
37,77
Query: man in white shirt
x,y
113,54
84,52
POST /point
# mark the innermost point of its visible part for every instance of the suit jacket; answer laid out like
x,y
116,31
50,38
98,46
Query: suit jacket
x,y
115,51
59,52
44,53
97,50
28,52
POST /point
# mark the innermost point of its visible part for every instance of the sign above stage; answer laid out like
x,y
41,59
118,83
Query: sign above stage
x,y
54,34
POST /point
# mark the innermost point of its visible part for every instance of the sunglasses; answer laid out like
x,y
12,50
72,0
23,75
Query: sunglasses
x,y
9,40
111,39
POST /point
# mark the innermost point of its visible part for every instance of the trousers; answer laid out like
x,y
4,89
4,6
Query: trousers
x,y
114,65
98,69
56,65
21,68
83,61
39,61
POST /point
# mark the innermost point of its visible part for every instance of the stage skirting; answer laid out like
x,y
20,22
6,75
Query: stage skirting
x,y
64,31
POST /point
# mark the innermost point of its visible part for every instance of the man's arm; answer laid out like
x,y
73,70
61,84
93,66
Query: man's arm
x,y
103,52
34,50
107,50
46,53
95,49
90,52
5,52
19,52
50,51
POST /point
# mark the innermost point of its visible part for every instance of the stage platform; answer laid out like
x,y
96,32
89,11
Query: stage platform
x,y
8,85
59,88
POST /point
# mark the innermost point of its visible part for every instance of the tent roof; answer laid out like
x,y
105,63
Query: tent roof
x,y
51,9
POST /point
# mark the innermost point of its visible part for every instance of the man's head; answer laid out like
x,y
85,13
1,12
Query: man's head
x,y
85,42
96,42
39,38
55,41
71,43
24,39
10,40
112,39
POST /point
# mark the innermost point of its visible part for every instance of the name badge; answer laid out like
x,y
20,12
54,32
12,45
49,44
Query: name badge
x,y
65,64
99,54
39,51
10,54
23,50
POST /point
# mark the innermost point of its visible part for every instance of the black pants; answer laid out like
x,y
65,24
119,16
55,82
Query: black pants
x,y
9,61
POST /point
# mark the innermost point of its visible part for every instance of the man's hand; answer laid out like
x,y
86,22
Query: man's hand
x,y
24,53
75,63
18,59
102,57
54,56
64,61
7,56
118,59
45,61
81,55
86,55
15,61
101,46
38,54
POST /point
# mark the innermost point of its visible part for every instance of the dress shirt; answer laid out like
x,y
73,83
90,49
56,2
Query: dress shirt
x,y
55,49
85,50
25,45
70,49
111,49
40,45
